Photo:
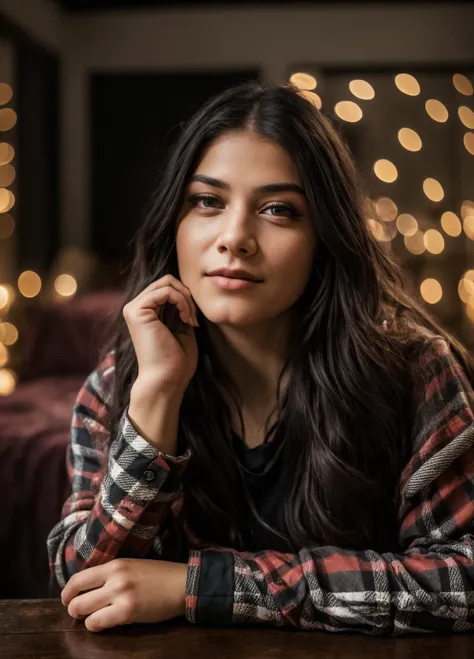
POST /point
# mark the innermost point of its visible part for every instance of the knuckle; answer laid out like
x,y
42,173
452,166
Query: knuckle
x,y
118,566
122,583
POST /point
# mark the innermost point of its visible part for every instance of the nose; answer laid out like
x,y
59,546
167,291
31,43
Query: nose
x,y
237,233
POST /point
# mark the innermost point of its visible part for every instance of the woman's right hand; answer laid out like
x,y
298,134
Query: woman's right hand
x,y
167,358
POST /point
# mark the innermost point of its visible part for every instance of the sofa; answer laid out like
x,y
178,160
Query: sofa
x,y
60,345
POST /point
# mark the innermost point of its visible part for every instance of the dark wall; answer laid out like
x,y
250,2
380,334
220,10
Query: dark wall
x,y
37,156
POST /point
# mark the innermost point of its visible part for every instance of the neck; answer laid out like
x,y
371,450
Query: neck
x,y
254,358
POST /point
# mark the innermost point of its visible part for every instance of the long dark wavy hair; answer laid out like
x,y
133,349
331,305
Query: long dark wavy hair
x,y
345,417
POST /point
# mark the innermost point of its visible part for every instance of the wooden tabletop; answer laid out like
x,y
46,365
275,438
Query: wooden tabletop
x,y
42,629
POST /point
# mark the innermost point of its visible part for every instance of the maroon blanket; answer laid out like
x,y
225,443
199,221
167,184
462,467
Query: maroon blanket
x,y
34,435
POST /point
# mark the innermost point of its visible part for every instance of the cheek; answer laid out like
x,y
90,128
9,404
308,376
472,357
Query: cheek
x,y
293,261
187,253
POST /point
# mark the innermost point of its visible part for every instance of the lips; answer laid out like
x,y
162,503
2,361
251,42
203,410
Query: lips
x,y
234,274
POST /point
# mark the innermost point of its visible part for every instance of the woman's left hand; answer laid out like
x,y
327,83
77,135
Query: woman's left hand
x,y
125,591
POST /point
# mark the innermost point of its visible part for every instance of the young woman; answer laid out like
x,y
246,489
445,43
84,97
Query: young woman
x,y
278,432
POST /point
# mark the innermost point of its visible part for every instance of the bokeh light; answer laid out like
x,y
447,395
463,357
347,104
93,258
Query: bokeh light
x,y
303,81
467,208
7,297
409,139
7,382
469,142
431,291
415,243
462,84
433,189
451,224
407,224
7,175
8,334
7,153
386,171
407,84
468,226
436,110
8,119
466,289
466,115
65,285
386,209
29,283
348,111
7,200
434,241
4,355
362,89
6,93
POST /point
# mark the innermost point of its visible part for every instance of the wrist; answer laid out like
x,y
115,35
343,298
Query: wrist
x,y
156,420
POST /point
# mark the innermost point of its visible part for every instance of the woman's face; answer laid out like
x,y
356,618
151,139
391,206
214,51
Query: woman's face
x,y
245,208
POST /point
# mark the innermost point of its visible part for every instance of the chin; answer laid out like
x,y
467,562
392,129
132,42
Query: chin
x,y
234,317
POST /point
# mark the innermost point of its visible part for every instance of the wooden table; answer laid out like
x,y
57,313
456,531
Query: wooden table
x,y
42,629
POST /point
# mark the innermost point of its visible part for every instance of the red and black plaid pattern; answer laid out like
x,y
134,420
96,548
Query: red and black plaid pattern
x,y
427,586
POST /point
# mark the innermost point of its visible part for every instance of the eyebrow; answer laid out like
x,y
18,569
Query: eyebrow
x,y
270,187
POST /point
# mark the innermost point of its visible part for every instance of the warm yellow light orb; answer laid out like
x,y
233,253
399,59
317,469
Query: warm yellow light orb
x,y
462,84
65,285
433,189
451,224
362,89
415,243
431,291
407,84
386,171
348,111
434,241
304,81
409,139
29,283
407,224
7,382
436,110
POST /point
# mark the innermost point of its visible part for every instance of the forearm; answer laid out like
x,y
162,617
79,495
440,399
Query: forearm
x,y
155,416
128,513
335,590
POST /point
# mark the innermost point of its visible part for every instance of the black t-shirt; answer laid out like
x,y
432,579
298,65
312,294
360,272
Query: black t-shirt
x,y
262,469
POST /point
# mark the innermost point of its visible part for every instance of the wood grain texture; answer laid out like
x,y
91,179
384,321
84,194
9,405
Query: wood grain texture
x,y
42,629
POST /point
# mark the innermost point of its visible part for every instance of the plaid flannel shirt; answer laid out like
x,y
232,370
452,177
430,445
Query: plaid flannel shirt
x,y
126,503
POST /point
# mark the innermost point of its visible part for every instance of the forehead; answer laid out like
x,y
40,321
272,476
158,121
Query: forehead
x,y
248,158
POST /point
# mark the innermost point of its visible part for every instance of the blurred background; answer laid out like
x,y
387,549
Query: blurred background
x,y
93,92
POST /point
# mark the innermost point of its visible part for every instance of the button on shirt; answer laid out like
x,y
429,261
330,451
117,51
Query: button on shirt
x,y
149,475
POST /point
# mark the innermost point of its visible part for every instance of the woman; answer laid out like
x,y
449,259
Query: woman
x,y
289,445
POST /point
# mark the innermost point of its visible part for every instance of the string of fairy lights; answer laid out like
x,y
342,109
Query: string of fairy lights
x,y
29,283
383,216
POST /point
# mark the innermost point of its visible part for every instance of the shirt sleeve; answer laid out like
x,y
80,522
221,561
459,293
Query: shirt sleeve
x,y
426,586
124,491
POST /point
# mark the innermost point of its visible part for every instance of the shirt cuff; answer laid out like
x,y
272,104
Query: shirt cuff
x,y
210,587
140,470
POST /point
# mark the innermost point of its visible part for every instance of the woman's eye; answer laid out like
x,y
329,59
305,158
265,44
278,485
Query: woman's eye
x,y
282,210
204,201
209,202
